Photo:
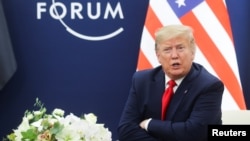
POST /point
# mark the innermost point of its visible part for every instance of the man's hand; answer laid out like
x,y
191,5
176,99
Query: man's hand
x,y
143,123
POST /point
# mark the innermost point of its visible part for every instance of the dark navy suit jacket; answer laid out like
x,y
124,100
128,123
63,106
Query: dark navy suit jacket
x,y
195,105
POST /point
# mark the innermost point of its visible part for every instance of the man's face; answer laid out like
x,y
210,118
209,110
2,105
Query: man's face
x,y
176,56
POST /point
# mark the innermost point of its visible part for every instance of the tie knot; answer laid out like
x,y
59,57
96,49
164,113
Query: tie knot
x,y
171,83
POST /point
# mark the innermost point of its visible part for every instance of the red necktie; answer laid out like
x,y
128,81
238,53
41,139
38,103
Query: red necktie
x,y
166,98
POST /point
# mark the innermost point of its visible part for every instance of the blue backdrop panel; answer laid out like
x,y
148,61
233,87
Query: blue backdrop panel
x,y
67,60
239,14
72,61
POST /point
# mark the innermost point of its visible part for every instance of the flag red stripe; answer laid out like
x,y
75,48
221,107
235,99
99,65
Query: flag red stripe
x,y
220,9
215,58
152,22
143,62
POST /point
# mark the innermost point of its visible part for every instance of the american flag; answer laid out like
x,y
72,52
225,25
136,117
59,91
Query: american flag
x,y
212,31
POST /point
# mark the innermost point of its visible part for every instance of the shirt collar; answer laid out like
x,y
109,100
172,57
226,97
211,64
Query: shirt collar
x,y
178,81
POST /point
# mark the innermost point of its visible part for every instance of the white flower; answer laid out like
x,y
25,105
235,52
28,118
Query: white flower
x,y
30,116
90,118
58,112
68,134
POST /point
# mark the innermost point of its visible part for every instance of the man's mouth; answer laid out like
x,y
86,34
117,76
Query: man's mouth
x,y
175,64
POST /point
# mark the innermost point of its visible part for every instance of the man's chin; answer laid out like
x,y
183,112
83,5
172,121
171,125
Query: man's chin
x,y
177,74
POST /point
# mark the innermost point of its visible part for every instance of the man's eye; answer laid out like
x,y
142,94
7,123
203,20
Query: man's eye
x,y
167,49
180,48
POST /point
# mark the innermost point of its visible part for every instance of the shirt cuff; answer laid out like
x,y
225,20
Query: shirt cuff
x,y
146,124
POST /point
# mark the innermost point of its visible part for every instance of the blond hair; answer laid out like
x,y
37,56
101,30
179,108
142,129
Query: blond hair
x,y
173,31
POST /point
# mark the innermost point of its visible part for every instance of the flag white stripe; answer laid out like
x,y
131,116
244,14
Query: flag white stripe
x,y
228,103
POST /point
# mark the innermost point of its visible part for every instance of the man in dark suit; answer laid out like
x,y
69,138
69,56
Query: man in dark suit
x,y
197,98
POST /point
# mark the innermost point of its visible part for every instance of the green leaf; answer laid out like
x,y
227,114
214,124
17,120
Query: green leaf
x,y
30,134
56,128
10,137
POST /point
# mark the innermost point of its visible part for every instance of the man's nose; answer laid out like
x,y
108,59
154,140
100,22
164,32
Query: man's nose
x,y
174,52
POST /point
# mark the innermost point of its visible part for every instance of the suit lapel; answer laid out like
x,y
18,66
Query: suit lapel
x,y
158,87
181,92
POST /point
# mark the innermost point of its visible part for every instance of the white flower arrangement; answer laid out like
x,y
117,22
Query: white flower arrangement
x,y
39,126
